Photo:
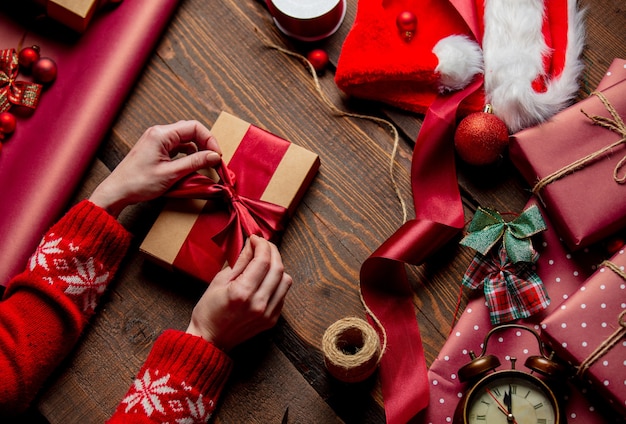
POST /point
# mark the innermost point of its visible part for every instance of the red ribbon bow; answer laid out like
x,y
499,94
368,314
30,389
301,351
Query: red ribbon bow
x,y
12,92
247,216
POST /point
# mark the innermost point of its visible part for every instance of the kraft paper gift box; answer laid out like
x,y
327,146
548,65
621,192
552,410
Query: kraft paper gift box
x,y
589,328
266,167
587,204
75,14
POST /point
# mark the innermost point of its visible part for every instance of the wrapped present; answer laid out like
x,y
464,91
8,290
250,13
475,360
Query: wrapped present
x,y
255,191
563,273
75,14
589,331
574,163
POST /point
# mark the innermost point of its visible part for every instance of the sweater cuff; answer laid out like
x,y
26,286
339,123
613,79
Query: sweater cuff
x,y
76,259
193,360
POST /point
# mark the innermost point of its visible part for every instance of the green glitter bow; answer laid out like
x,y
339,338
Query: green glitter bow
x,y
488,227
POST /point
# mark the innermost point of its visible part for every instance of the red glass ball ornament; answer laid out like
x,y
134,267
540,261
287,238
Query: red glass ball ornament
x,y
45,70
481,138
28,56
7,122
407,24
614,244
319,59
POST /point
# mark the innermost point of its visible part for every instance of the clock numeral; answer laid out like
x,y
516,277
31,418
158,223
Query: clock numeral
x,y
496,392
541,421
537,406
526,395
481,417
514,389
485,402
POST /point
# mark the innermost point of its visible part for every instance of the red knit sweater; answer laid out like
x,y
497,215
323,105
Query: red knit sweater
x,y
45,309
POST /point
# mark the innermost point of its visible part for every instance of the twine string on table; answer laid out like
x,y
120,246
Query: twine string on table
x,y
331,106
352,366
616,125
615,337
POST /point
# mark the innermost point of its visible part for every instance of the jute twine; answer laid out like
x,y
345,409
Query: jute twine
x,y
351,349
351,346
614,338
616,125
337,111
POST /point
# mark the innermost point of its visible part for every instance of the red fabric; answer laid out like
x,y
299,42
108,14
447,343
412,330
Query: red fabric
x,y
376,63
180,381
45,308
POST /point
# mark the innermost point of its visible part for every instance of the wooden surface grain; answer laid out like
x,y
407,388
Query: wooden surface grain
x,y
212,57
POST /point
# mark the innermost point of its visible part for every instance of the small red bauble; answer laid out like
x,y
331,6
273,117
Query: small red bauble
x,y
319,59
614,244
481,138
407,24
7,123
28,56
45,70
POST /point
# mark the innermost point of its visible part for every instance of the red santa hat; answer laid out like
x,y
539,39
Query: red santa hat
x,y
528,52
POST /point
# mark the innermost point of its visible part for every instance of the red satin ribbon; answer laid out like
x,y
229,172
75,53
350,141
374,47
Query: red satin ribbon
x,y
12,92
228,218
384,284
439,217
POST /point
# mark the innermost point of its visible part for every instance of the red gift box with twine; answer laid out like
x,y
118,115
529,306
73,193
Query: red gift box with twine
x,y
589,331
256,190
574,164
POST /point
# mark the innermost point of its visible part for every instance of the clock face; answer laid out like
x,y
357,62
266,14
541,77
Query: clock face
x,y
510,399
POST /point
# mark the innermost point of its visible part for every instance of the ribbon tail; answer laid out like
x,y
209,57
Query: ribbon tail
x,y
384,284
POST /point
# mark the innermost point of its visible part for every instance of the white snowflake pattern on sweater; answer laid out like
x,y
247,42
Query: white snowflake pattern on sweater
x,y
151,394
84,280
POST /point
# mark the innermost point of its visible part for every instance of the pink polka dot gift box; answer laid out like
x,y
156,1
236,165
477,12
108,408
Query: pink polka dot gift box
x,y
589,331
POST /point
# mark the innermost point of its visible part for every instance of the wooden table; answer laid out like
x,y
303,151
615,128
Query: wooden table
x,y
212,58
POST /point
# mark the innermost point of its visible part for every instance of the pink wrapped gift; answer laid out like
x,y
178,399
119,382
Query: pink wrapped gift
x,y
589,331
562,273
574,164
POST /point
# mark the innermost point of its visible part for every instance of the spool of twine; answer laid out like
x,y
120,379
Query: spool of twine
x,y
351,349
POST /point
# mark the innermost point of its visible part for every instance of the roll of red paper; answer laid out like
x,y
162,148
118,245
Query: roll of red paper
x,y
309,20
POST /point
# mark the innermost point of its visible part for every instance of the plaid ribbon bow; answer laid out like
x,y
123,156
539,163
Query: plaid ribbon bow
x,y
12,92
512,288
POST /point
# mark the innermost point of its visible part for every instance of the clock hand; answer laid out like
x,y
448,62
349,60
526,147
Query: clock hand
x,y
508,400
509,416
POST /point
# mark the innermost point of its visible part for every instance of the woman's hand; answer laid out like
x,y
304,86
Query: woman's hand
x,y
149,169
245,300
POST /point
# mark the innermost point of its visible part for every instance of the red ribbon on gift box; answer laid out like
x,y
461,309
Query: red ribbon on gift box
x,y
240,215
13,92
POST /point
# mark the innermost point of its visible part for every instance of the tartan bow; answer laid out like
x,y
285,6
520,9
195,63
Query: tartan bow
x,y
512,290
12,92
488,227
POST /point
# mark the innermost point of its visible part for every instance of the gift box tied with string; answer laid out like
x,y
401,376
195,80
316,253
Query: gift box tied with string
x,y
256,190
574,162
588,330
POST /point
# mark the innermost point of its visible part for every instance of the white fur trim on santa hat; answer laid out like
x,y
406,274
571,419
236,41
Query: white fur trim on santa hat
x,y
513,47
460,58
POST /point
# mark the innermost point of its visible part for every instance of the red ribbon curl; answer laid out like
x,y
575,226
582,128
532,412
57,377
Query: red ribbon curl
x,y
12,92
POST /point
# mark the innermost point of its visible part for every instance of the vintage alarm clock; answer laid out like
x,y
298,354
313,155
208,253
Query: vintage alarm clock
x,y
510,396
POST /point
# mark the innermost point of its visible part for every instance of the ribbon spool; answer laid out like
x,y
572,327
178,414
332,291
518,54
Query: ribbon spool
x,y
351,350
308,20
